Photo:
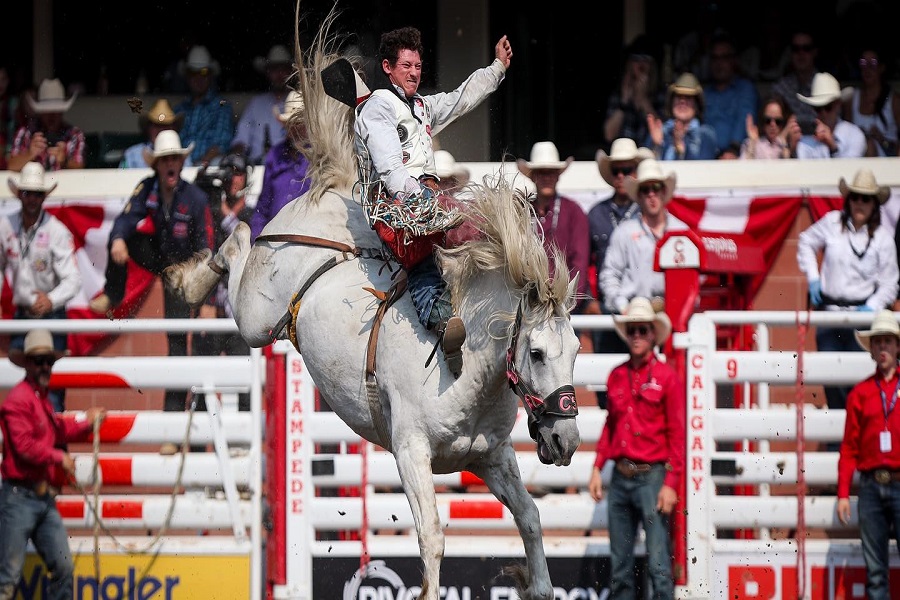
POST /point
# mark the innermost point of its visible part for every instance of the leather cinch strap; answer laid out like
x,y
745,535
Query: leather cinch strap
x,y
397,290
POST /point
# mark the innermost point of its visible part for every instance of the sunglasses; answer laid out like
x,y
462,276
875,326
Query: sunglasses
x,y
202,71
777,120
42,361
656,186
827,107
872,62
861,198
621,171
641,330
802,47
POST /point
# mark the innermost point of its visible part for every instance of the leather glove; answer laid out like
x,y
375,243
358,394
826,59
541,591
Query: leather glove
x,y
815,292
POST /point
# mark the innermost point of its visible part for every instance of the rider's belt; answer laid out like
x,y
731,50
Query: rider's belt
x,y
842,302
629,468
40,488
884,476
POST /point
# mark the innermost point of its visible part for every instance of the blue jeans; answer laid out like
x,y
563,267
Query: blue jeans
x,y
426,288
25,515
879,510
836,339
60,343
631,502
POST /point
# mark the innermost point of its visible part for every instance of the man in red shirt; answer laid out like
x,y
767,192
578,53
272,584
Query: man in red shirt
x,y
34,462
645,436
871,445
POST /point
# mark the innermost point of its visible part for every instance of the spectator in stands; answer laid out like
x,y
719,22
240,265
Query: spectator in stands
x,y
167,220
683,136
453,176
11,117
873,106
859,265
35,466
49,140
159,118
871,445
644,435
228,196
799,80
208,118
39,253
560,220
628,267
730,152
259,128
729,97
637,95
833,137
616,168
285,168
777,123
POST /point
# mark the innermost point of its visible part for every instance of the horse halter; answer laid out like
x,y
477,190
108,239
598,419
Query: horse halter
x,y
561,402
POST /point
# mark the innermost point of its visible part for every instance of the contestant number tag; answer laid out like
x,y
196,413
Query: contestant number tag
x,y
884,441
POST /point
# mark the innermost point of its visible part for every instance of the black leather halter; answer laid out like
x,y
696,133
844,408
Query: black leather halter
x,y
561,402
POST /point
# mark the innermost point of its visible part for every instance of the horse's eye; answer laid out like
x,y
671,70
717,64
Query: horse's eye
x,y
537,356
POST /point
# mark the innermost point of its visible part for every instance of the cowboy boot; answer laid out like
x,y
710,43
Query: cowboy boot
x,y
453,334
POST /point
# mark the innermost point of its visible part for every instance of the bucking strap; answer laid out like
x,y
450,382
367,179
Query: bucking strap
x,y
397,290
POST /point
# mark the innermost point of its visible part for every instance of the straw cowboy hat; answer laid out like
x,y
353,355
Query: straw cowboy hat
x,y
292,104
38,342
650,170
51,98
686,85
198,59
30,180
544,156
622,149
278,55
884,323
167,143
161,113
639,310
445,166
825,90
864,184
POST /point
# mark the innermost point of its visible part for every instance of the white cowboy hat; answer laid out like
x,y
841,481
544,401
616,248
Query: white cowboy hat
x,y
51,98
292,104
884,323
199,58
650,170
30,180
161,113
639,310
278,55
445,166
864,184
38,342
622,150
825,90
544,155
167,143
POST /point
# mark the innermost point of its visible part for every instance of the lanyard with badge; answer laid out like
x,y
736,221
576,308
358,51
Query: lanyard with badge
x,y
884,438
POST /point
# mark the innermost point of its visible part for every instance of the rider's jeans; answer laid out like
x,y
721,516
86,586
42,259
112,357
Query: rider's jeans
x,y
426,288
632,501
879,510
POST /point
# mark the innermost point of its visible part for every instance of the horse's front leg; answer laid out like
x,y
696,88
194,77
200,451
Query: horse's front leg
x,y
414,464
500,472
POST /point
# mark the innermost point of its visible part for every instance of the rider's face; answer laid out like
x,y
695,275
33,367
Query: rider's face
x,y
406,72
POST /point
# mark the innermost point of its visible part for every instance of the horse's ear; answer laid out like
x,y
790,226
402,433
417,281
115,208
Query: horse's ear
x,y
572,291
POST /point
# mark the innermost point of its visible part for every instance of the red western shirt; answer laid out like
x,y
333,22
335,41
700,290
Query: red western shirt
x,y
33,435
645,419
861,447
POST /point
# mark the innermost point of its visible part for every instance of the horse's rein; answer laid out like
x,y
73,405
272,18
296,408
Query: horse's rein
x,y
560,402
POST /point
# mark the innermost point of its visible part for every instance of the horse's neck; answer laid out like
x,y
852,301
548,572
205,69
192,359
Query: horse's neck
x,y
488,296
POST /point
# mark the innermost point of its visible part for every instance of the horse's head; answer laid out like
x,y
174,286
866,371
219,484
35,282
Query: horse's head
x,y
539,365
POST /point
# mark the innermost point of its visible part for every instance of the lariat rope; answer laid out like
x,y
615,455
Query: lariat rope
x,y
802,328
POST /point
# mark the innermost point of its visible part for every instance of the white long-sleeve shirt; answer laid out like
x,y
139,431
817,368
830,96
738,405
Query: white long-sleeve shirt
x,y
398,162
41,259
851,143
627,270
853,268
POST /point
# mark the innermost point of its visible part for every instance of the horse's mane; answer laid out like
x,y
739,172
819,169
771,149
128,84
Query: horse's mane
x,y
329,123
507,241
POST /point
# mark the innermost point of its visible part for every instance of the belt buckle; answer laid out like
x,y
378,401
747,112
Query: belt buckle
x,y
629,467
882,476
